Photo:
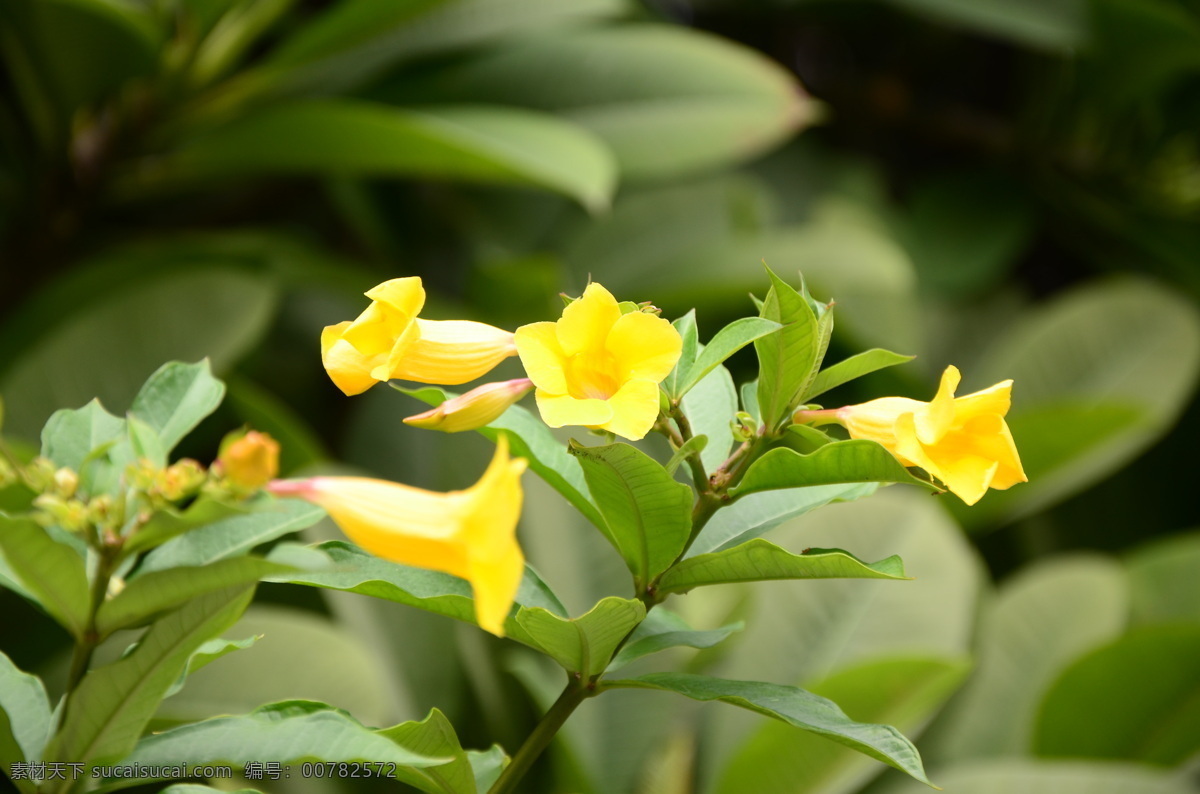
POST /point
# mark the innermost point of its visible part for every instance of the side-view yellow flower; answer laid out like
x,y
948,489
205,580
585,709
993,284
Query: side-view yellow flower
x,y
470,534
963,441
475,409
388,341
598,367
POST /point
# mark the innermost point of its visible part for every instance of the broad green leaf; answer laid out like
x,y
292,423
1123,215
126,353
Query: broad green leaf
x,y
232,536
237,30
710,406
207,653
70,435
1137,698
795,707
1099,374
290,732
433,737
584,644
146,596
785,359
347,137
1163,586
686,326
358,572
487,765
530,438
110,709
900,691
1055,25
24,715
341,667
176,398
52,572
664,629
724,344
805,439
168,522
758,513
759,559
749,395
1042,619
667,101
839,462
853,367
648,513
201,309
1030,776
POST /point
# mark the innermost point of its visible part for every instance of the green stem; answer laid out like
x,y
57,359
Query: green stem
x,y
575,693
81,656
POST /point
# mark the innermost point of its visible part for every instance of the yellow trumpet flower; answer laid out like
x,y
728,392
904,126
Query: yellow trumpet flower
x,y
478,407
963,441
388,341
470,534
598,367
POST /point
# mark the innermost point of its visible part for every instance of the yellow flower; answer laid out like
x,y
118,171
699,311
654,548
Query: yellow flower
x,y
598,367
470,534
478,407
963,441
388,341
250,462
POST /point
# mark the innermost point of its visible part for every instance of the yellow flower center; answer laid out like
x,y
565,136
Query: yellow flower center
x,y
592,375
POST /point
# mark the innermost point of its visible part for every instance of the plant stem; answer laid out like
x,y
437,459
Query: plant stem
x,y
575,693
81,656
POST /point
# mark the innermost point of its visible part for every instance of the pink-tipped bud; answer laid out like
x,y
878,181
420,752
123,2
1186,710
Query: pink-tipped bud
x,y
479,407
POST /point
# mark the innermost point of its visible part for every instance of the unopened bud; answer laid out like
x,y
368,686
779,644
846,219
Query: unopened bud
x,y
65,482
180,480
53,510
743,426
479,407
251,461
39,474
104,512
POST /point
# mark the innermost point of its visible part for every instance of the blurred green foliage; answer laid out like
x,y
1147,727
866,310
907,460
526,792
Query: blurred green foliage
x,y
1012,187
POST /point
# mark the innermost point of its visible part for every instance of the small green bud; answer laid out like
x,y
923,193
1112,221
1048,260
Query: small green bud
x,y
51,509
104,511
39,474
743,426
180,480
65,482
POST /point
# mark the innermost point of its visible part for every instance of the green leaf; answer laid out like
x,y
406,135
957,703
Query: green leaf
x,y
24,716
109,710
487,766
1162,580
853,367
897,690
584,644
1056,25
1042,619
70,435
168,522
785,359
724,344
686,326
146,596
666,101
358,572
795,707
290,732
749,395
759,559
346,138
176,398
758,513
647,512
231,536
693,446
664,629
207,653
839,462
530,438
1137,698
52,572
433,737
710,406
1030,776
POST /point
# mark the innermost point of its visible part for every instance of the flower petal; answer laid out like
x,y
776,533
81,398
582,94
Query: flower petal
x,y
634,409
495,560
542,356
348,368
404,296
644,346
992,400
586,323
968,477
560,410
936,419
451,352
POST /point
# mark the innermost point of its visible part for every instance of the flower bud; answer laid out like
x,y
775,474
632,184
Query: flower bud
x,y
51,510
477,408
250,462
743,426
180,480
39,474
65,482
